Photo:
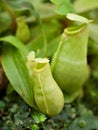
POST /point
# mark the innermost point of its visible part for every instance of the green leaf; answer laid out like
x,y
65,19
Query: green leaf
x,y
85,5
34,127
15,69
38,117
16,43
63,6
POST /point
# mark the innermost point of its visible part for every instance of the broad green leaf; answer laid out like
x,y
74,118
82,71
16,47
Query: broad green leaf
x,y
13,62
63,6
75,17
16,43
85,5
16,71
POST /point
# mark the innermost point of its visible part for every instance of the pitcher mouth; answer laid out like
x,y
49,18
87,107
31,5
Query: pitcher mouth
x,y
40,63
75,29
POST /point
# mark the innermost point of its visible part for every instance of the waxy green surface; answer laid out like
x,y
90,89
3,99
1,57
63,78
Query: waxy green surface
x,y
69,63
48,96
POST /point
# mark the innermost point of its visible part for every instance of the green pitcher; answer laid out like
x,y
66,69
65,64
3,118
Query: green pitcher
x,y
48,96
69,63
